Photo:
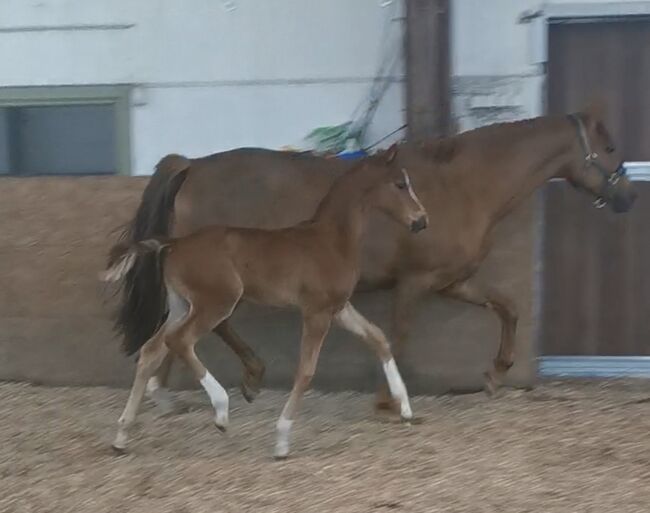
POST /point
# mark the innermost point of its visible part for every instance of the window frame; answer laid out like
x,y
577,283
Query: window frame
x,y
48,96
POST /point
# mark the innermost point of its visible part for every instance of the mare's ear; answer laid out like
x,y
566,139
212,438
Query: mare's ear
x,y
391,153
595,109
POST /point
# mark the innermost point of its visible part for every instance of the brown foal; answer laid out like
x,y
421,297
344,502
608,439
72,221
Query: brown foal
x,y
313,266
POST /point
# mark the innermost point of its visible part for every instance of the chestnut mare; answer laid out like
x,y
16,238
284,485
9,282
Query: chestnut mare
x,y
313,266
467,183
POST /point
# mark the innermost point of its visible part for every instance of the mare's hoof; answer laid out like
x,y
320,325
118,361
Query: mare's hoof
x,y
249,392
387,406
252,382
491,385
221,427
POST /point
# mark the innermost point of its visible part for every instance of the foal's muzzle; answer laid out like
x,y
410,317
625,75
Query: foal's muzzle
x,y
419,224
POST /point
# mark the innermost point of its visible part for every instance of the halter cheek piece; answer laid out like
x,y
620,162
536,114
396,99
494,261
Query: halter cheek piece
x,y
591,160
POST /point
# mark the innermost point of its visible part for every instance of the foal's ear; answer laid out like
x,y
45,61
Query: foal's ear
x,y
391,153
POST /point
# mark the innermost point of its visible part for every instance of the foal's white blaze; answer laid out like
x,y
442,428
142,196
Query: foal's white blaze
x,y
411,192
218,397
283,427
397,388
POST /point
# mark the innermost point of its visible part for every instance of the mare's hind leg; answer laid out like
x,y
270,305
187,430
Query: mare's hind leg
x,y
350,319
253,365
151,355
206,312
504,308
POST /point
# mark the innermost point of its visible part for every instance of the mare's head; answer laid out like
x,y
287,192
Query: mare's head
x,y
392,192
598,166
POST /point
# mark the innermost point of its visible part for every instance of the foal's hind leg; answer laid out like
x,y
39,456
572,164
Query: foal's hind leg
x,y
205,314
157,389
350,319
253,366
151,355
254,369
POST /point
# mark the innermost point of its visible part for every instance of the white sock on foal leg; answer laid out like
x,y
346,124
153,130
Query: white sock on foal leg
x,y
283,427
219,399
397,388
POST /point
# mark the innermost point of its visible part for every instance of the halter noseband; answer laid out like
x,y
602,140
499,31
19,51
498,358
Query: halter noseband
x,y
591,160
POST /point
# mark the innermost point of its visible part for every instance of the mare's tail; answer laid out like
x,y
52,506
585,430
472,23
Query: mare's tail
x,y
143,305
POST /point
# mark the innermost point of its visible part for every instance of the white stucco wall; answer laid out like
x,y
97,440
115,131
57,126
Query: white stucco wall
x,y
497,62
209,78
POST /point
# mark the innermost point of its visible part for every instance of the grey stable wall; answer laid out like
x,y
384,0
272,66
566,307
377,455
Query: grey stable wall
x,y
55,326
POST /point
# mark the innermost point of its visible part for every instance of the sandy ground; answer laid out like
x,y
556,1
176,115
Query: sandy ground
x,y
568,447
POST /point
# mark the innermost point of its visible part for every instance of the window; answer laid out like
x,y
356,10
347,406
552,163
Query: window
x,y
64,131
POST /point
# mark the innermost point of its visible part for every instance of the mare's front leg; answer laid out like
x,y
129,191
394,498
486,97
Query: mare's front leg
x,y
253,365
350,319
314,329
505,309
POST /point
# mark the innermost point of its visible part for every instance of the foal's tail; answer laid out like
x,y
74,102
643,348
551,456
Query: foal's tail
x,y
123,256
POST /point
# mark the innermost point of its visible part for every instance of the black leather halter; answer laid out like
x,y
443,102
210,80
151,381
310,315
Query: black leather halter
x,y
591,160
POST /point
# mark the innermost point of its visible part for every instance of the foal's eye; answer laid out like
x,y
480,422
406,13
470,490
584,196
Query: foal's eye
x,y
610,149
401,185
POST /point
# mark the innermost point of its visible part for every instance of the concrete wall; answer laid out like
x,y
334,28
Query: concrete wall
x,y
55,322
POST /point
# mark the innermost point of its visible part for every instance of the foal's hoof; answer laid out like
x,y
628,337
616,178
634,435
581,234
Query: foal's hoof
x,y
281,453
118,450
223,428
413,421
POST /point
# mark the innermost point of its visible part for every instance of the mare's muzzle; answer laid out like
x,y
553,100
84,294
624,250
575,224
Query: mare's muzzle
x,y
419,224
620,198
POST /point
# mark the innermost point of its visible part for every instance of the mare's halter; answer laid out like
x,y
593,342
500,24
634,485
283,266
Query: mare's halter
x,y
591,160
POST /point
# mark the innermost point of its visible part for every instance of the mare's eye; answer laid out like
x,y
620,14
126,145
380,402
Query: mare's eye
x,y
401,185
610,149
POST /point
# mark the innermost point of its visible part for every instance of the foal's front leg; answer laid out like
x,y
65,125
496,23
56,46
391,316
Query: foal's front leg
x,y
350,319
314,329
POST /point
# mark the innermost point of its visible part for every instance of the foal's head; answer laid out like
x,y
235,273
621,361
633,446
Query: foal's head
x,y
598,166
393,194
